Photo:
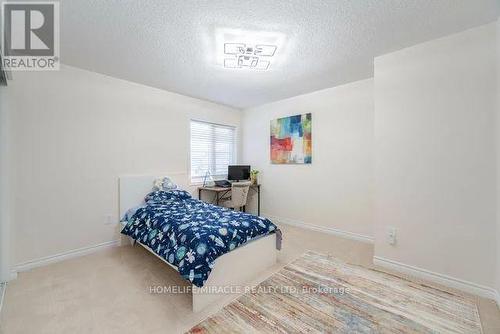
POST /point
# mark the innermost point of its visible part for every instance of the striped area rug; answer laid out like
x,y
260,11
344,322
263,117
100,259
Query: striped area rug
x,y
319,294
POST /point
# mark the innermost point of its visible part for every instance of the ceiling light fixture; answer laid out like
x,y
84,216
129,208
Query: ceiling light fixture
x,y
247,56
250,50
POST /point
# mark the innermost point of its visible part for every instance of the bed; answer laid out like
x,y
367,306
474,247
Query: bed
x,y
208,246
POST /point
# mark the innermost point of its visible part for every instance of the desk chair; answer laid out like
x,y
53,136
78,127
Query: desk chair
x,y
239,194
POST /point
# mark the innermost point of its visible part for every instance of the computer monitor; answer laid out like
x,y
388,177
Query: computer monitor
x,y
238,173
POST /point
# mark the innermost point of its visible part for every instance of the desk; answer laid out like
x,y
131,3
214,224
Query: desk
x,y
220,192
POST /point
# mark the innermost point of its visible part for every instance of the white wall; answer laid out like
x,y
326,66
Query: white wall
x,y
498,163
435,166
4,188
335,191
74,132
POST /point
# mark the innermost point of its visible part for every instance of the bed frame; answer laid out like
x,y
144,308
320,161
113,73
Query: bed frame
x,y
236,268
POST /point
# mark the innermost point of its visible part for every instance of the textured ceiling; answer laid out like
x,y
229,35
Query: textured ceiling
x,y
172,44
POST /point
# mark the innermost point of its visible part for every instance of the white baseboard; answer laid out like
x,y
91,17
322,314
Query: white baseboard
x,y
3,287
62,256
497,299
324,229
452,282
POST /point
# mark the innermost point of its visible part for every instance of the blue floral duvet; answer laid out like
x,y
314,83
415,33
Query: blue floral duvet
x,y
191,234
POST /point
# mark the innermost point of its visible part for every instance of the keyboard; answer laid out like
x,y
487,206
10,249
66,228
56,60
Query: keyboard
x,y
223,183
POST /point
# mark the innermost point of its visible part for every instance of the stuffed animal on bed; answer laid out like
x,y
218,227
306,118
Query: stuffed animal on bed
x,y
164,183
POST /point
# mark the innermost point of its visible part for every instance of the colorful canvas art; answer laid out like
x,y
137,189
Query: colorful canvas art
x,y
291,141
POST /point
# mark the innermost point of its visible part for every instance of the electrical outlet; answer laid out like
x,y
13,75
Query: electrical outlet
x,y
391,236
108,219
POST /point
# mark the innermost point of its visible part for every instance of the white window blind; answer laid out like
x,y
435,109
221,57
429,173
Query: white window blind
x,y
212,150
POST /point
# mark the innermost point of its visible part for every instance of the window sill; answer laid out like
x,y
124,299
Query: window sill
x,y
195,184
200,183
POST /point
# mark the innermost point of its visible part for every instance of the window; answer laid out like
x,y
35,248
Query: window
x,y
212,150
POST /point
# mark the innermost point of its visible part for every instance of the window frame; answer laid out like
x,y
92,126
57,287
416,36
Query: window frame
x,y
235,150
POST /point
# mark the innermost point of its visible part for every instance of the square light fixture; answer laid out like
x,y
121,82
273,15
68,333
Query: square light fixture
x,y
240,55
248,50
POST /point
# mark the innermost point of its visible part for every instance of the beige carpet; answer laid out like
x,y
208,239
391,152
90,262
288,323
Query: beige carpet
x,y
317,293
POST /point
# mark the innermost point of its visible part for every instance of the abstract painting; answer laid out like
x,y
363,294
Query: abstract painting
x,y
291,141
